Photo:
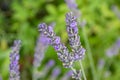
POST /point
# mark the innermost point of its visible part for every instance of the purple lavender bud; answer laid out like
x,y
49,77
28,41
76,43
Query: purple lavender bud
x,y
57,40
42,26
46,30
77,75
50,63
56,72
74,39
44,40
69,73
79,54
50,29
14,61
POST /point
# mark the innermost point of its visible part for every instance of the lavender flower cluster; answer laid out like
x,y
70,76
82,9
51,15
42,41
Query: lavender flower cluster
x,y
74,38
48,37
72,5
14,61
63,53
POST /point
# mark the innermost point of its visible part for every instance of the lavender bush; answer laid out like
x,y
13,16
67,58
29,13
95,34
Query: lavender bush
x,y
14,61
63,53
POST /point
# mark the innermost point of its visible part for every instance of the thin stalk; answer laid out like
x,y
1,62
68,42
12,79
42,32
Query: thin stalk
x,y
84,76
89,55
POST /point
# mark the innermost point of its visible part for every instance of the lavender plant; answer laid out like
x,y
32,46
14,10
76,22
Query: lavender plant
x,y
72,5
41,46
14,61
63,53
61,49
74,38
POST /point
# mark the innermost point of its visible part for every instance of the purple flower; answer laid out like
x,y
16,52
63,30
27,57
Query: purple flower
x,y
57,40
74,39
77,75
14,61
61,49
56,72
50,63
41,46
73,7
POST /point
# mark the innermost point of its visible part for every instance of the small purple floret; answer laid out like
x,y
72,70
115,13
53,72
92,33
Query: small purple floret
x,y
51,63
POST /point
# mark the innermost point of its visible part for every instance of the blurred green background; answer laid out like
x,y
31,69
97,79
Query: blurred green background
x,y
19,20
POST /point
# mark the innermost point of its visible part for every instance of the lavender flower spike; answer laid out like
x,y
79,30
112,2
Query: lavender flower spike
x,y
14,61
41,46
74,38
60,48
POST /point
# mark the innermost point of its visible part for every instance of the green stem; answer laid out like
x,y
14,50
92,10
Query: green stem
x,y
89,54
84,76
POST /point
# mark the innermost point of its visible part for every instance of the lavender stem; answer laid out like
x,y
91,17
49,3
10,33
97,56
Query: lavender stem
x,y
84,76
89,55
75,72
